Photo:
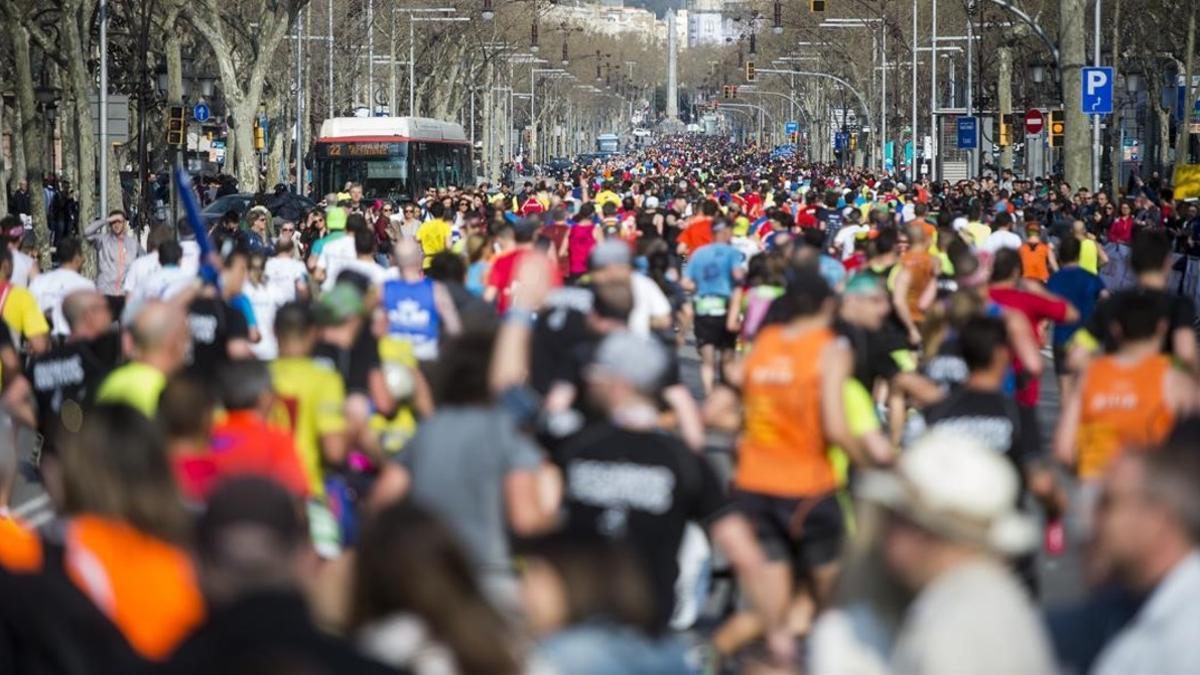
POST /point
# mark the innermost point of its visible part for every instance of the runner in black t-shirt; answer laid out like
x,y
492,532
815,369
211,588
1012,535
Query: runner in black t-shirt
x,y
220,331
981,410
65,379
627,480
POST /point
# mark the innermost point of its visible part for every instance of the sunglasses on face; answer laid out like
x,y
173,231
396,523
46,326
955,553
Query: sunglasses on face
x,y
287,228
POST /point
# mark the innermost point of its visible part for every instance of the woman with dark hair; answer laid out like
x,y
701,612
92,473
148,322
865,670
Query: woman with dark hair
x,y
589,605
110,586
415,603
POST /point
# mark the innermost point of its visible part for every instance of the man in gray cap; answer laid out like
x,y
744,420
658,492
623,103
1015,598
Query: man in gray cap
x,y
627,480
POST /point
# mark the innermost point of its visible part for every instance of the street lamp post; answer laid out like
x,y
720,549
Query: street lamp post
x,y
412,37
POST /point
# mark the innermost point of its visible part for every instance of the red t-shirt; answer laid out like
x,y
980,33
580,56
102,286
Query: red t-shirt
x,y
806,219
504,272
1036,309
697,234
557,234
243,444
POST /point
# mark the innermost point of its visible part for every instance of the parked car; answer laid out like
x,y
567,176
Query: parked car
x,y
286,205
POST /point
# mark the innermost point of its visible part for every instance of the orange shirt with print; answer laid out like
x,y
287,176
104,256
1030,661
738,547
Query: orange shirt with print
x,y
1124,406
783,449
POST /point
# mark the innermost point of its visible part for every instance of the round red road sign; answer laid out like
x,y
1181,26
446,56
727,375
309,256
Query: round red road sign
x,y
1035,121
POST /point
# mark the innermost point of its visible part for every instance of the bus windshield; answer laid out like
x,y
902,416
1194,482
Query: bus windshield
x,y
384,176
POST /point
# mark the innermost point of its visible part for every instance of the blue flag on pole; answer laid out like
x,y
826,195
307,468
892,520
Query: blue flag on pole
x,y
187,196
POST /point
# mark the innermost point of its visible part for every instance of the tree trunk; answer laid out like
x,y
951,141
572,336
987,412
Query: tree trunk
x,y
1004,94
1182,140
244,162
31,135
1164,139
4,167
1077,162
1115,144
19,168
81,85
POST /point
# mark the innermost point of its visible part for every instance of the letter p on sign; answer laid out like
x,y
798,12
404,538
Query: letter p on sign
x,y
1097,84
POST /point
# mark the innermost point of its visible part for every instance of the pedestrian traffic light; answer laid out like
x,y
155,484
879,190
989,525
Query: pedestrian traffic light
x,y
1058,127
260,138
816,5
176,126
750,71
853,141
1004,138
733,91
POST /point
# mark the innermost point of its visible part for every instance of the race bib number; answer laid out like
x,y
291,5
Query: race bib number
x,y
711,305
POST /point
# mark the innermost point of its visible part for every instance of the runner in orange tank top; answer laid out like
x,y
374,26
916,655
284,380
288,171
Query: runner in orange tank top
x,y
1037,258
1127,400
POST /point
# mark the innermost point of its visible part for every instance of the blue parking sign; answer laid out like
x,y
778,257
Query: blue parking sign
x,y
791,127
1097,84
968,133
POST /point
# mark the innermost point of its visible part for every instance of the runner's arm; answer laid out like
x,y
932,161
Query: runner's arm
x,y
835,368
1023,342
531,499
1183,346
900,303
446,309
687,414
1066,434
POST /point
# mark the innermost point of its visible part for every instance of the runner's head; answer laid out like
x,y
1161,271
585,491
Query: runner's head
x,y
134,485
170,254
245,384
159,336
627,369
1139,314
87,313
984,344
1068,250
1151,513
295,329
611,260
721,230
865,301
1006,266
251,540
1150,253
403,542
70,253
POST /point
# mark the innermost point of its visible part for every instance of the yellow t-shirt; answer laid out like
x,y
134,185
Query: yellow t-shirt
x,y
607,197
22,315
134,384
311,399
978,232
1089,256
433,235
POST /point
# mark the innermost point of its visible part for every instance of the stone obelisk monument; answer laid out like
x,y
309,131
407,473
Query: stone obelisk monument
x,y
671,123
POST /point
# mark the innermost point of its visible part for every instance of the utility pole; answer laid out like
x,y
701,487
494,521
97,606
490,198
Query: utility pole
x,y
1072,49
1116,138
1004,94
1182,140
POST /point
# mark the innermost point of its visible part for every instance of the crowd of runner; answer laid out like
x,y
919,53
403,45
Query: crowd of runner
x,y
464,433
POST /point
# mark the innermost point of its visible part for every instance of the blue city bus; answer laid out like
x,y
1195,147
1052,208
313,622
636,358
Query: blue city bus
x,y
392,157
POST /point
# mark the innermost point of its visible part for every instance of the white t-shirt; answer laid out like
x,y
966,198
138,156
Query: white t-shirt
x,y
1001,239
22,269
139,271
334,257
265,299
846,237
191,256
748,247
283,274
377,273
166,282
649,302
50,288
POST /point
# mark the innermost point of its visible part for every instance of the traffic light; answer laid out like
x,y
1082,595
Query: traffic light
x,y
750,71
176,126
1004,138
733,91
1058,127
260,137
816,5
726,92
853,138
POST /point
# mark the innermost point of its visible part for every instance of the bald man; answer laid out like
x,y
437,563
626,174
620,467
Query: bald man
x,y
418,309
65,379
157,342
